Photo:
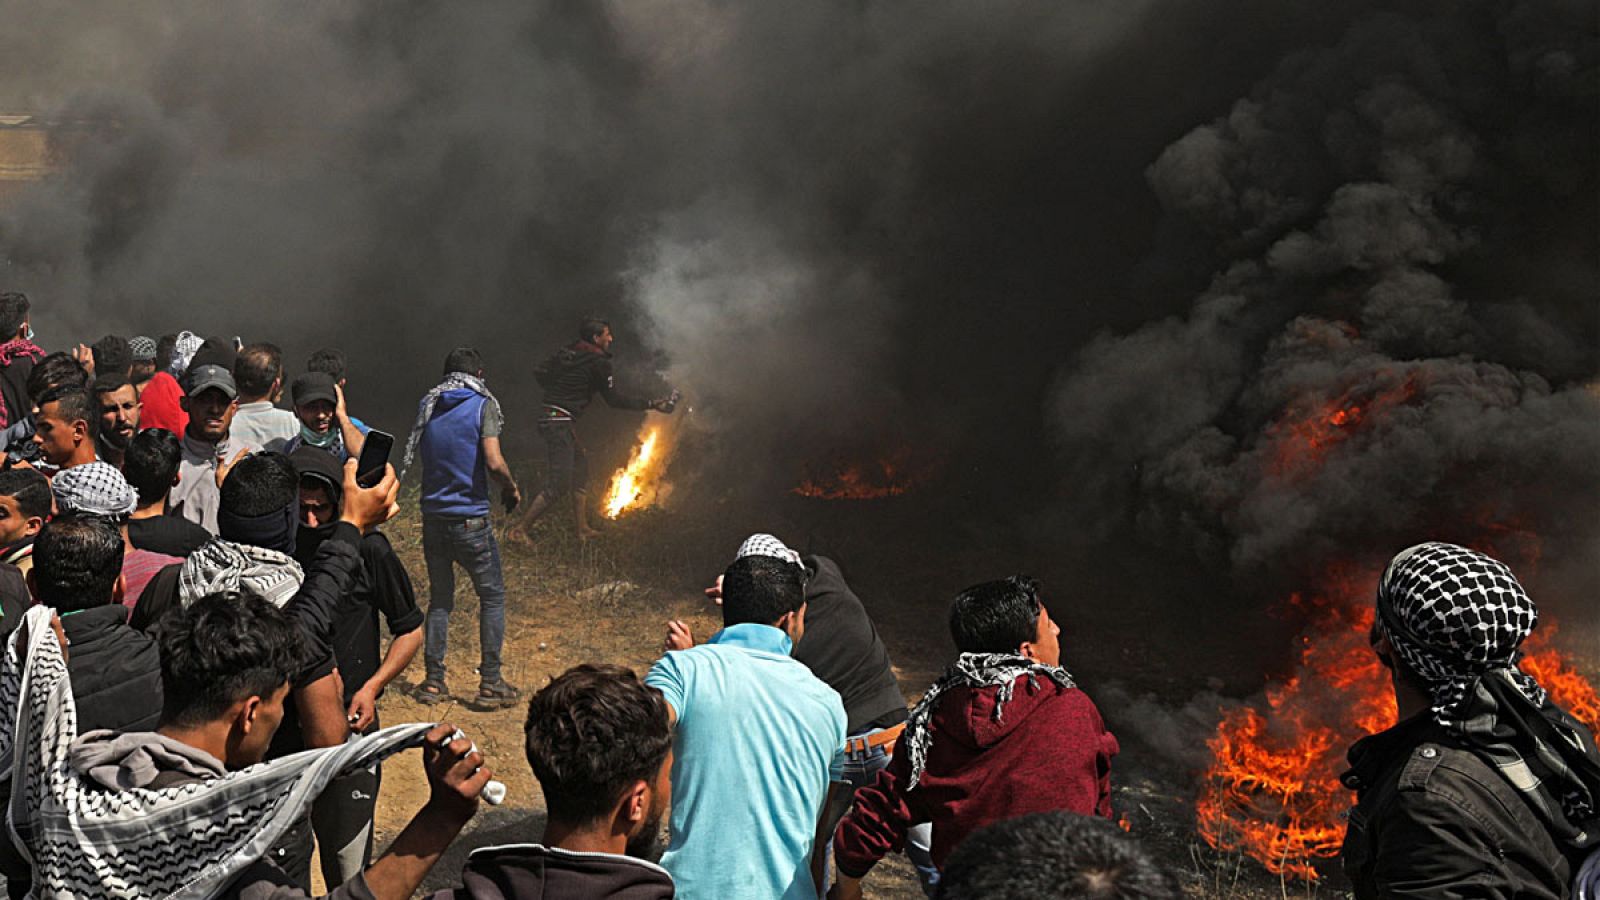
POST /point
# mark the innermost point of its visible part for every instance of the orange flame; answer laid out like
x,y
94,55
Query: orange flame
x,y
641,482
1303,436
890,475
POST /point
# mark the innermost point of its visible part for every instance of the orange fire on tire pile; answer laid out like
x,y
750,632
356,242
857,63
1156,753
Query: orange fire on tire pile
x,y
890,474
642,482
1272,788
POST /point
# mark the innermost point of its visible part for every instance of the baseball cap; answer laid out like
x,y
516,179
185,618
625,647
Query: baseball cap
x,y
313,386
205,377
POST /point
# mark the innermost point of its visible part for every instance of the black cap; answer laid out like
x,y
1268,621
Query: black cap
x,y
205,377
313,386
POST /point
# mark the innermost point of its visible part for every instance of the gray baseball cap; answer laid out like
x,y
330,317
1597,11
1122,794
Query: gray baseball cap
x,y
203,378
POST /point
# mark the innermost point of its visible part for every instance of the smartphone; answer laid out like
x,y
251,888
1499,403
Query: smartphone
x,y
374,456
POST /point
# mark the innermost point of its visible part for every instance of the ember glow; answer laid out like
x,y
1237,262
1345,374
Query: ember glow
x,y
1303,437
1272,789
889,475
641,482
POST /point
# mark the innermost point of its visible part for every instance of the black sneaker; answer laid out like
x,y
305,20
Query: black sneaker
x,y
496,695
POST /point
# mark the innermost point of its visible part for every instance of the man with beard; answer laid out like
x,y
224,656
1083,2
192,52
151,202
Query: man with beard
x,y
570,380
342,816
207,444
600,744
1485,788
64,427
119,417
324,423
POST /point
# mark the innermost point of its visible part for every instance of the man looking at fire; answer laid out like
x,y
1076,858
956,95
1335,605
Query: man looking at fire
x,y
1003,733
1485,788
570,380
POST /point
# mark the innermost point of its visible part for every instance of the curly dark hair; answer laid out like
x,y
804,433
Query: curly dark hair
x,y
760,589
1054,855
224,648
592,733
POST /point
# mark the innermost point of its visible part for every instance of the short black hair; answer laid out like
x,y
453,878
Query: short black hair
x,y
591,328
591,733
13,310
31,490
76,561
261,483
222,649
55,370
463,359
996,616
73,404
256,367
111,383
329,361
150,462
166,346
760,589
111,355
1054,854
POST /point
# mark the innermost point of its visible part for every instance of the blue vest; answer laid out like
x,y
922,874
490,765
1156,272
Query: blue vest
x,y
455,479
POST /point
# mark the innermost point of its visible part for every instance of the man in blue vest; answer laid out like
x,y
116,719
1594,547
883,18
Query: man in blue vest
x,y
457,434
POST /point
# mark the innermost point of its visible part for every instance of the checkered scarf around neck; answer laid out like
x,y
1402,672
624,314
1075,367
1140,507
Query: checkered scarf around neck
x,y
221,565
85,841
455,381
94,489
972,670
1456,619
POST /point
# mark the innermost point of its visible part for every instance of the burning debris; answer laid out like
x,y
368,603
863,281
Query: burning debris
x,y
888,475
642,482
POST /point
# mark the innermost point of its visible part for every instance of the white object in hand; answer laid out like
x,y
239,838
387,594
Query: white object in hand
x,y
494,791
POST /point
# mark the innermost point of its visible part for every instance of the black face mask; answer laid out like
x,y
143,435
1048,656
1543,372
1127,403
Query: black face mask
x,y
308,539
270,531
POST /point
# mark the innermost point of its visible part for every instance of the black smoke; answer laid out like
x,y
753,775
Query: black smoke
x,y
1401,230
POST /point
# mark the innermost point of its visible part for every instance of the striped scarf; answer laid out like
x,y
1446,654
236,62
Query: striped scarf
x,y
454,381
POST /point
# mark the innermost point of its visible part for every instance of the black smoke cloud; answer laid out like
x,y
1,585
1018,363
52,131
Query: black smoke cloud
x,y
1402,229
826,220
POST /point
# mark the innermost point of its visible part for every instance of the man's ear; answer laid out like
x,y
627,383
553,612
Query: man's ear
x,y
1026,650
33,526
247,713
80,430
636,802
118,590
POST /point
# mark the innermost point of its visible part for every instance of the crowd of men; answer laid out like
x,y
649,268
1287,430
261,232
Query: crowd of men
x,y
215,580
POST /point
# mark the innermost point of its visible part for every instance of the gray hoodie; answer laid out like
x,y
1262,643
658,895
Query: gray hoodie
x,y
116,761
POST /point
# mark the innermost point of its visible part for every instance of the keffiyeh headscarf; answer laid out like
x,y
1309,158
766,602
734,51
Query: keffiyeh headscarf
x,y
221,565
454,381
973,670
84,841
767,545
187,345
141,348
94,489
1457,618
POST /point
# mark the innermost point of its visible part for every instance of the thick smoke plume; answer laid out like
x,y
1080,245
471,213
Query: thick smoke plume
x,y
1399,340
826,219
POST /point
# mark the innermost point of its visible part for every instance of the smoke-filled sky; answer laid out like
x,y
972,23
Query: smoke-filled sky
x,y
1100,246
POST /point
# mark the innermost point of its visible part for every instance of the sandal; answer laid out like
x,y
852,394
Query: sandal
x,y
496,695
432,690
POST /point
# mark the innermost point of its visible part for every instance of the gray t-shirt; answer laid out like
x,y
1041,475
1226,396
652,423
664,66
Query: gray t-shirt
x,y
494,421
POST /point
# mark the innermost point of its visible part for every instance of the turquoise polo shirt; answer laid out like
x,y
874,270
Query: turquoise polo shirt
x,y
758,739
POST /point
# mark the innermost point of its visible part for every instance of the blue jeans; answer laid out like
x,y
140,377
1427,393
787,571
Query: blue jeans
x,y
861,769
447,542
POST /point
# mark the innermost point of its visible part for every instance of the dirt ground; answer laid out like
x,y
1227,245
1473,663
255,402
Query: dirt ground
x,y
608,600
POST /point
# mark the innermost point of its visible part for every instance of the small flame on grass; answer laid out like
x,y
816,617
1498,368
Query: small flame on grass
x,y
641,482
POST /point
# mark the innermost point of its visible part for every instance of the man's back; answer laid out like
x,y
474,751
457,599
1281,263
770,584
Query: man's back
x,y
262,424
841,646
115,671
758,740
455,479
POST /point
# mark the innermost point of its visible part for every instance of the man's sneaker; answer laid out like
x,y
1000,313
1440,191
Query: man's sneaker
x,y
496,695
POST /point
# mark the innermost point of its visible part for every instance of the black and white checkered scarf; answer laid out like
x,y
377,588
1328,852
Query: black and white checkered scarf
x,y
1457,618
973,670
455,381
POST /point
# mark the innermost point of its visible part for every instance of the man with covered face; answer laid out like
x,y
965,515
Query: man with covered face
x,y
1485,788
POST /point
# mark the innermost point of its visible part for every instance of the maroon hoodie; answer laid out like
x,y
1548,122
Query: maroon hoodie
x,y
1049,751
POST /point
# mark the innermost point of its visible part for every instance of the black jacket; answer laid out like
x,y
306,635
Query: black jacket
x,y
532,872
1432,819
841,646
573,376
115,671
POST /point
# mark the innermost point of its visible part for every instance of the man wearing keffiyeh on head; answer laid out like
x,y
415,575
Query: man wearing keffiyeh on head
x,y
1484,788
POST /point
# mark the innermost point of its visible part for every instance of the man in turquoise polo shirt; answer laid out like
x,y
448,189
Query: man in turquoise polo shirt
x,y
759,739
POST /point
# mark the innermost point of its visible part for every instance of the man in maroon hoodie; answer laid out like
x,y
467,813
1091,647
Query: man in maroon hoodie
x,y
1003,733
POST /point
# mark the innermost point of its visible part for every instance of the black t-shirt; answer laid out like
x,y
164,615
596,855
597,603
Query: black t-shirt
x,y
172,535
841,646
383,587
